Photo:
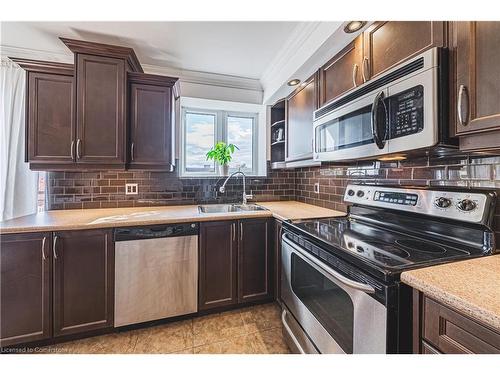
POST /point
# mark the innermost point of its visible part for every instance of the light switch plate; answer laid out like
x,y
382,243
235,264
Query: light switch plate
x,y
316,187
131,189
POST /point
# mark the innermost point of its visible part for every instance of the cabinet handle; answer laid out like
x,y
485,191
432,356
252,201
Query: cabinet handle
x,y
78,148
72,150
132,147
463,94
54,247
43,248
233,229
241,230
364,69
354,74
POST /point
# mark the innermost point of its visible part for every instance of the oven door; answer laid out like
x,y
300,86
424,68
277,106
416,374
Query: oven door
x,y
338,314
352,132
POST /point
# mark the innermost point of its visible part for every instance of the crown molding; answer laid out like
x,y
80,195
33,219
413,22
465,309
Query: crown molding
x,y
187,76
294,43
94,48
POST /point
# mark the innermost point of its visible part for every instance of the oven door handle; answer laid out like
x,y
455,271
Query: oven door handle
x,y
379,99
322,267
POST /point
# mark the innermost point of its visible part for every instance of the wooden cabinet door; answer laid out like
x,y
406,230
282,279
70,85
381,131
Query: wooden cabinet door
x,y
151,127
388,43
342,73
218,265
83,281
453,333
477,55
100,113
254,260
50,118
25,304
300,107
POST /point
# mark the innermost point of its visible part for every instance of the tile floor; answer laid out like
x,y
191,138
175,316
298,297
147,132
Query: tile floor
x,y
252,330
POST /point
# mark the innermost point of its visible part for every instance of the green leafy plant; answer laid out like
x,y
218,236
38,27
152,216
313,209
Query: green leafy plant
x,y
222,153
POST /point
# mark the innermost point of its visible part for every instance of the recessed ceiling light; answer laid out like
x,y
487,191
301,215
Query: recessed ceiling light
x,y
392,158
354,26
293,82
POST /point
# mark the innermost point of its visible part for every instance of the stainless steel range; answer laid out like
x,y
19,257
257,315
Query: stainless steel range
x,y
341,276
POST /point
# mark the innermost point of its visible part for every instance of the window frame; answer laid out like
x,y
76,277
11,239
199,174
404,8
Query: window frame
x,y
221,134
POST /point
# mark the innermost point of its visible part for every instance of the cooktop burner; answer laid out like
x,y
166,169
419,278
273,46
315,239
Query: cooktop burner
x,y
394,251
419,245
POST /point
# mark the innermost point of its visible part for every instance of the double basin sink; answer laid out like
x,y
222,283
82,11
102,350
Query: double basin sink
x,y
221,208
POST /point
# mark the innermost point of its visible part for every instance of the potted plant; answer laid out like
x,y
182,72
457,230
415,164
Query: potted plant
x,y
221,153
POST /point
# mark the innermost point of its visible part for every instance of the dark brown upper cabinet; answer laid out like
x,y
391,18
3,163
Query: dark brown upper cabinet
x,y
300,107
26,289
101,102
476,52
50,131
255,259
388,43
83,263
103,112
151,111
218,264
342,73
100,110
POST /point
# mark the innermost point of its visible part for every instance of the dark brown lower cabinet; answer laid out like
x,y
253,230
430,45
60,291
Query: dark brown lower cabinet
x,y
235,264
441,329
218,247
254,260
83,263
25,311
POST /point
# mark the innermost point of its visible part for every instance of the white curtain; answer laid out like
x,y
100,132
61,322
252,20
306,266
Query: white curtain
x,y
18,185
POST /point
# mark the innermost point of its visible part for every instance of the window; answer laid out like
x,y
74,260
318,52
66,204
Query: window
x,y
201,129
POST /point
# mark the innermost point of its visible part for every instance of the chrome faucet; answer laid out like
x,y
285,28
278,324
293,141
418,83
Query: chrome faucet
x,y
222,189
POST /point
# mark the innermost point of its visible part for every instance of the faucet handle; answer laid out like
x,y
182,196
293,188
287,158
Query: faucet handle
x,y
249,196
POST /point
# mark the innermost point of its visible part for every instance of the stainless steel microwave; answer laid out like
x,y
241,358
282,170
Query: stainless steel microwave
x,y
404,110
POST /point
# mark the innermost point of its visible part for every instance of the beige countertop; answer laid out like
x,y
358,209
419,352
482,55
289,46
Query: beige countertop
x,y
120,217
470,287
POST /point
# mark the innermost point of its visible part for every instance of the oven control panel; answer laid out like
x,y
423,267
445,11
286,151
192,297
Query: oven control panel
x,y
464,205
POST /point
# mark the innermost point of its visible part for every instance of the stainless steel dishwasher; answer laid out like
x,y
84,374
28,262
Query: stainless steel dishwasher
x,y
156,272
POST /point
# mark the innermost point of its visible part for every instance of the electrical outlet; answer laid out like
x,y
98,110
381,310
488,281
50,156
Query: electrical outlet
x,y
316,187
131,189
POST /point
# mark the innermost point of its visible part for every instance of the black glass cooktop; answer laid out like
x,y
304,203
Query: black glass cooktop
x,y
384,248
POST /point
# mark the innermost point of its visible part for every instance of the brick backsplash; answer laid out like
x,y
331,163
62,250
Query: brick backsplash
x,y
105,189
460,171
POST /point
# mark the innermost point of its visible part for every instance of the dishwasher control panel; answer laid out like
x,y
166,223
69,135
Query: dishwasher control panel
x,y
156,231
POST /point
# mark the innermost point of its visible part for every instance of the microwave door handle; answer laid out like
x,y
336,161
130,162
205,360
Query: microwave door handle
x,y
379,98
328,271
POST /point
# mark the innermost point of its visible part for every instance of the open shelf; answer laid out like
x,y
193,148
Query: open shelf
x,y
280,122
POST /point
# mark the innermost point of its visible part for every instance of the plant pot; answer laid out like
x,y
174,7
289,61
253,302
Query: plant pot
x,y
223,170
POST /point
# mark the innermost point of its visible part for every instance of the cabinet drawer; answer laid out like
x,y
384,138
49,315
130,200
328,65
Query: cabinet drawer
x,y
428,349
451,332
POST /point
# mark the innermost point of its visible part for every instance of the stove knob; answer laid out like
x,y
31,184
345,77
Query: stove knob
x,y
360,193
442,202
350,192
466,205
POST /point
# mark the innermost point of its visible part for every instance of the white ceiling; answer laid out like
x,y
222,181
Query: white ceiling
x,y
243,49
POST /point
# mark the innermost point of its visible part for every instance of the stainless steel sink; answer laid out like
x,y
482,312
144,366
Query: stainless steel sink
x,y
221,208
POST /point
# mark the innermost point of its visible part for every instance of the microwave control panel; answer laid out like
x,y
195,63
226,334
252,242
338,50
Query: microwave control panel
x,y
406,112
